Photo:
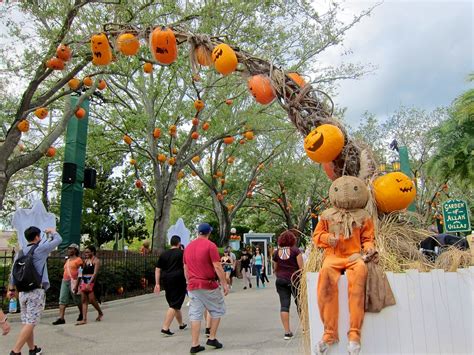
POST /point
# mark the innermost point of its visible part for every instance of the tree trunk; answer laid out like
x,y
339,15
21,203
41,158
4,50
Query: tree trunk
x,y
4,179
224,228
162,215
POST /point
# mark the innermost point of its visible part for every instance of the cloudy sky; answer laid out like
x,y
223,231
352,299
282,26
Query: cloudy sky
x,y
423,51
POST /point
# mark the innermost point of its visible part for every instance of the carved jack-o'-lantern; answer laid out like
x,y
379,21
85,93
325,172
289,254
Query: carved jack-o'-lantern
x,y
74,83
161,158
55,63
87,81
101,51
348,192
163,45
23,126
224,58
324,143
198,105
102,84
128,44
41,113
205,126
194,135
393,191
261,88
64,52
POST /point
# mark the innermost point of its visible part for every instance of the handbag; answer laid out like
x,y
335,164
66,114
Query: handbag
x,y
73,283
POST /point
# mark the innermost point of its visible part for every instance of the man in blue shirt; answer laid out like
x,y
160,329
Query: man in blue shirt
x,y
32,302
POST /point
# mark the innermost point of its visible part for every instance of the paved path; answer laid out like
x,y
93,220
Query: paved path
x,y
251,326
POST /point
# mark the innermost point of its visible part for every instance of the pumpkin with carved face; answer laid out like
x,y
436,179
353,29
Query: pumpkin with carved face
x,y
393,191
41,113
324,143
348,192
261,88
163,45
224,58
64,52
101,51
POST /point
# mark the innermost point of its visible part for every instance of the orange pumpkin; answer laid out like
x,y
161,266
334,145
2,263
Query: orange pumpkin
x,y
228,140
41,113
138,184
101,51
127,139
222,181
393,191
87,81
193,173
102,85
224,192
230,160
156,133
224,58
64,52
80,113
196,159
194,135
229,102
249,135
147,67
195,121
161,158
172,161
203,55
181,174
163,45
133,162
174,151
128,44
324,143
23,126
298,79
198,105
220,197
329,170
51,152
205,126
172,130
74,83
55,63
242,141
230,207
219,173
261,88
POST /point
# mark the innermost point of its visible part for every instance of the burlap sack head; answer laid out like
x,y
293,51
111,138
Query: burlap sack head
x,y
348,192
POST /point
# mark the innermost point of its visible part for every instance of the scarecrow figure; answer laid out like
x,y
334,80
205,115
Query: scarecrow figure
x,y
345,232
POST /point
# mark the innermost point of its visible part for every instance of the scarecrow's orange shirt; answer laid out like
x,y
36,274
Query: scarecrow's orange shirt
x,y
361,238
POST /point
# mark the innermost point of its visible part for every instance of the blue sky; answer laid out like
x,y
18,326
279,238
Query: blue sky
x,y
422,51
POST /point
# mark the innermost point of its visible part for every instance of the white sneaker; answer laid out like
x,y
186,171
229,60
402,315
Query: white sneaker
x,y
353,348
322,348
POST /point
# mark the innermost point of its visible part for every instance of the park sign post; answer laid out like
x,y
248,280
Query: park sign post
x,y
456,216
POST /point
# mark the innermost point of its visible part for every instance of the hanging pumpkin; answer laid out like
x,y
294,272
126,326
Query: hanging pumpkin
x,y
163,45
133,162
198,105
194,135
193,173
51,152
222,181
55,63
138,184
128,44
147,67
172,161
74,83
195,121
324,143
242,141
172,130
261,88
228,102
161,158
219,173
224,58
181,174
203,55
219,196
156,133
102,84
87,81
205,126
64,52
41,113
230,207
249,135
80,113
393,191
298,79
196,159
230,160
174,150
224,192
228,140
101,51
23,126
127,139
329,170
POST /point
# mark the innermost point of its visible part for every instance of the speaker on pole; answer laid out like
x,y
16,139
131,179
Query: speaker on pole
x,y
90,178
69,173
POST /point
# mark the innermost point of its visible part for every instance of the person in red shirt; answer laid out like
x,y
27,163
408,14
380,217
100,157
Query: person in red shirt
x,y
202,268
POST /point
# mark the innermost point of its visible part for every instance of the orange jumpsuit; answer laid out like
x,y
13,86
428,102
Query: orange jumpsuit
x,y
336,259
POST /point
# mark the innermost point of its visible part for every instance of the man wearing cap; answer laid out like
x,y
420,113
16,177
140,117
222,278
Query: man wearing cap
x,y
201,265
69,285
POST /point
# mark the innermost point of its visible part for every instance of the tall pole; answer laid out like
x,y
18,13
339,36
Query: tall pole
x,y
405,168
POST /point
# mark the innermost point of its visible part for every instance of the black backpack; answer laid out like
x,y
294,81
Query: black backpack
x,y
24,272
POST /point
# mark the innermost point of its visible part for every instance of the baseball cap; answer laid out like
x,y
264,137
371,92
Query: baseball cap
x,y
204,228
74,245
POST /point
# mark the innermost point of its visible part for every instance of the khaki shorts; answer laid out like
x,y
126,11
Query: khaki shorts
x,y
32,306
212,300
66,296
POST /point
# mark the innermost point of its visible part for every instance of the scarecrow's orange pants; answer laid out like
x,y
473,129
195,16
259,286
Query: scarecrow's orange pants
x,y
328,294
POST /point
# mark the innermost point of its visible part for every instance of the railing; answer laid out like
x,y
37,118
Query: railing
x,y
121,275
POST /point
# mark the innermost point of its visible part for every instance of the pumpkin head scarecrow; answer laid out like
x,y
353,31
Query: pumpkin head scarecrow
x,y
345,232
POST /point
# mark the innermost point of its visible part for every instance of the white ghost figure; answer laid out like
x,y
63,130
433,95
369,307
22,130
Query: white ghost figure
x,y
181,231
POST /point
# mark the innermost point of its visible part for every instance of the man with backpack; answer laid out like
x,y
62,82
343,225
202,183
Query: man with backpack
x,y
30,277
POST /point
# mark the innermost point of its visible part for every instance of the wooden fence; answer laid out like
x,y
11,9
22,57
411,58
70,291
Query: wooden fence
x,y
433,315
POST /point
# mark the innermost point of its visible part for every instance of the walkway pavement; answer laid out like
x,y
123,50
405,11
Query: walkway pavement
x,y
251,326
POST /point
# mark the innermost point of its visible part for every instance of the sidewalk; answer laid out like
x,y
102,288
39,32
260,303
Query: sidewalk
x,y
132,326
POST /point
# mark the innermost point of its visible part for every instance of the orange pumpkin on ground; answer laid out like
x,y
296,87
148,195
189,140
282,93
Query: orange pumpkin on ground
x,y
87,81
102,84
224,58
147,67
23,126
128,44
80,113
324,143
261,88
163,45
127,139
51,152
74,83
63,52
205,126
55,63
41,113
156,133
203,55
393,191
101,51
298,79
199,105
228,140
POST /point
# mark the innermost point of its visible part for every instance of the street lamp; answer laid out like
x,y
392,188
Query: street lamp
x,y
396,165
